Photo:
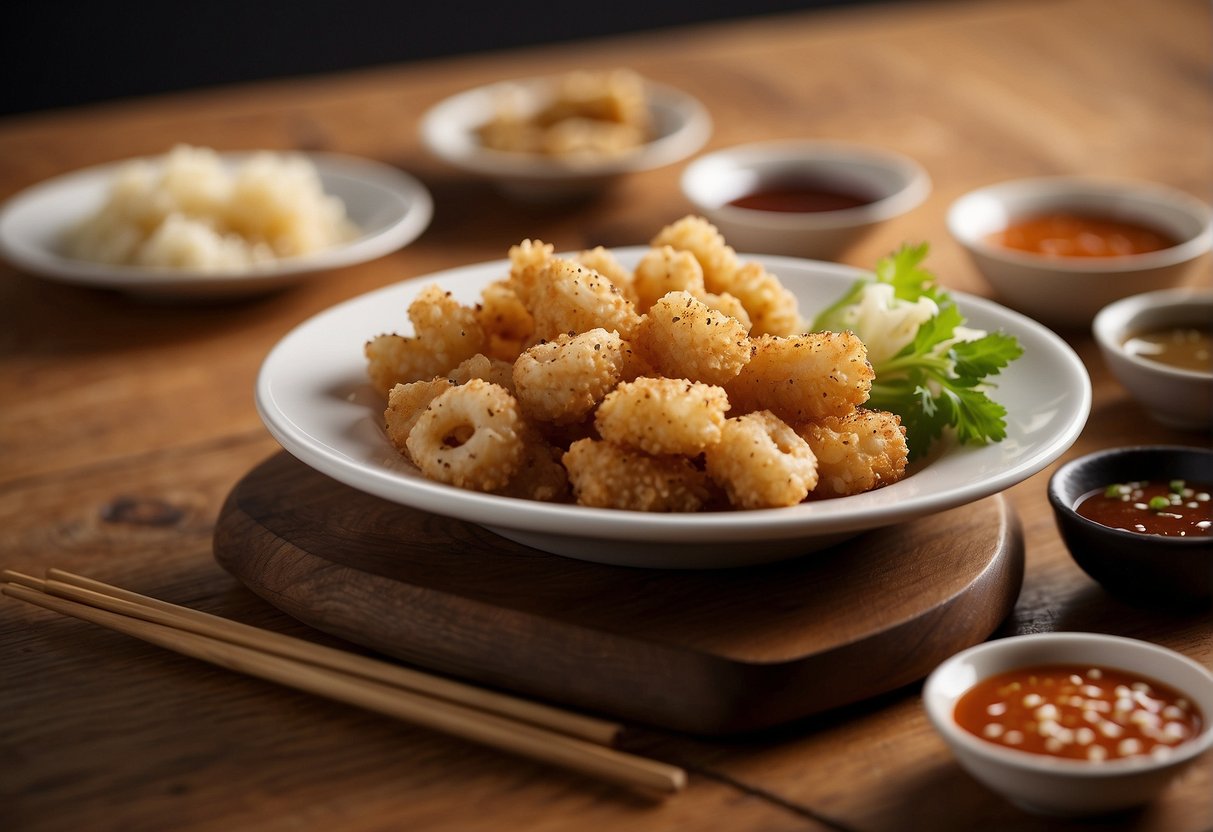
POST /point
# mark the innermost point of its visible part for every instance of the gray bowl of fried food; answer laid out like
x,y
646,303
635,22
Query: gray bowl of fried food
x,y
565,136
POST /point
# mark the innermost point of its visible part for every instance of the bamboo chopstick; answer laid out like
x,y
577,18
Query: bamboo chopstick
x,y
460,720
97,594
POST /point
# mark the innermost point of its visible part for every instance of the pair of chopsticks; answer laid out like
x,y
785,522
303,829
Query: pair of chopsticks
x,y
531,729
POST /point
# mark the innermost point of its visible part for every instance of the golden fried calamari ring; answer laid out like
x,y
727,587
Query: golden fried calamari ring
x,y
482,367
568,297
540,475
469,436
528,259
507,325
663,415
605,475
561,381
773,310
444,333
761,462
855,453
663,270
406,403
803,378
682,337
603,261
701,238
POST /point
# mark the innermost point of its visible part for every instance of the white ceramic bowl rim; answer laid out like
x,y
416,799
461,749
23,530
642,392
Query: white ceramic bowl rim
x,y
939,706
448,130
1115,322
1063,191
914,182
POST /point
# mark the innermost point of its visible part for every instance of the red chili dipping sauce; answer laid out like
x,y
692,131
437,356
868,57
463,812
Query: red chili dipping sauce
x,y
801,197
1172,509
1080,235
1079,712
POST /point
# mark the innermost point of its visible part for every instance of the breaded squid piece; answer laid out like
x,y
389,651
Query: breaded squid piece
x,y
663,415
540,475
469,436
568,297
405,404
603,261
528,259
729,305
698,236
444,333
858,452
663,270
681,337
773,310
482,367
605,475
761,462
507,326
561,381
803,378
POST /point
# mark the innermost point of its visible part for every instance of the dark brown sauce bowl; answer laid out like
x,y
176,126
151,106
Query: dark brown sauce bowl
x,y
1152,570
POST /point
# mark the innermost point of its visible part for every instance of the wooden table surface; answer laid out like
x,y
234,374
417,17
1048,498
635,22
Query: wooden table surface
x,y
124,424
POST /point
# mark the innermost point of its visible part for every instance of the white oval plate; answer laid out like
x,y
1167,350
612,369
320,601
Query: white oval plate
x,y
313,395
448,130
390,208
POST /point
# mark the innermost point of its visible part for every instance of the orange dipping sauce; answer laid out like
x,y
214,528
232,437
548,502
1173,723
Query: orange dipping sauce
x,y
1080,235
1079,712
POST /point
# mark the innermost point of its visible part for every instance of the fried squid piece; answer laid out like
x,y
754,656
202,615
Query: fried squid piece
x,y
761,462
568,297
445,334
803,378
561,381
606,475
469,436
663,415
681,337
698,236
858,452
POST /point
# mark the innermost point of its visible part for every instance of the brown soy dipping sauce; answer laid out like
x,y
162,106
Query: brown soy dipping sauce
x,y
802,196
1079,712
1184,347
1170,509
1064,234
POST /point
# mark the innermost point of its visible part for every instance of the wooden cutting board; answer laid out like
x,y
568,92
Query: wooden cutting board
x,y
706,652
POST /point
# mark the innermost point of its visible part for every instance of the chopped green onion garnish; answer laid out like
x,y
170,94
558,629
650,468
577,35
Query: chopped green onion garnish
x,y
1159,503
1115,490
1177,486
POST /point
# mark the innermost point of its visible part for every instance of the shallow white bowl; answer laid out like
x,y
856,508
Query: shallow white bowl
x,y
314,397
1176,397
712,181
1068,291
448,130
390,208
1049,785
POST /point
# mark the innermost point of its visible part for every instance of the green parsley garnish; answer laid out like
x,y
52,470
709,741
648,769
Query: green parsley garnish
x,y
930,370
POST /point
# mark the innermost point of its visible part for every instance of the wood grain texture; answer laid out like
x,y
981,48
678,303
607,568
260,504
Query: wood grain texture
x,y
124,426
709,652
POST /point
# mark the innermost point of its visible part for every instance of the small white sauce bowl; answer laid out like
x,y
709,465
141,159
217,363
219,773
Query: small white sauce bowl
x,y
1175,397
1049,785
712,181
1066,292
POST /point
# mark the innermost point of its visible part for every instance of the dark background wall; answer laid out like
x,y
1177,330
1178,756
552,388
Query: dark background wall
x,y
55,53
